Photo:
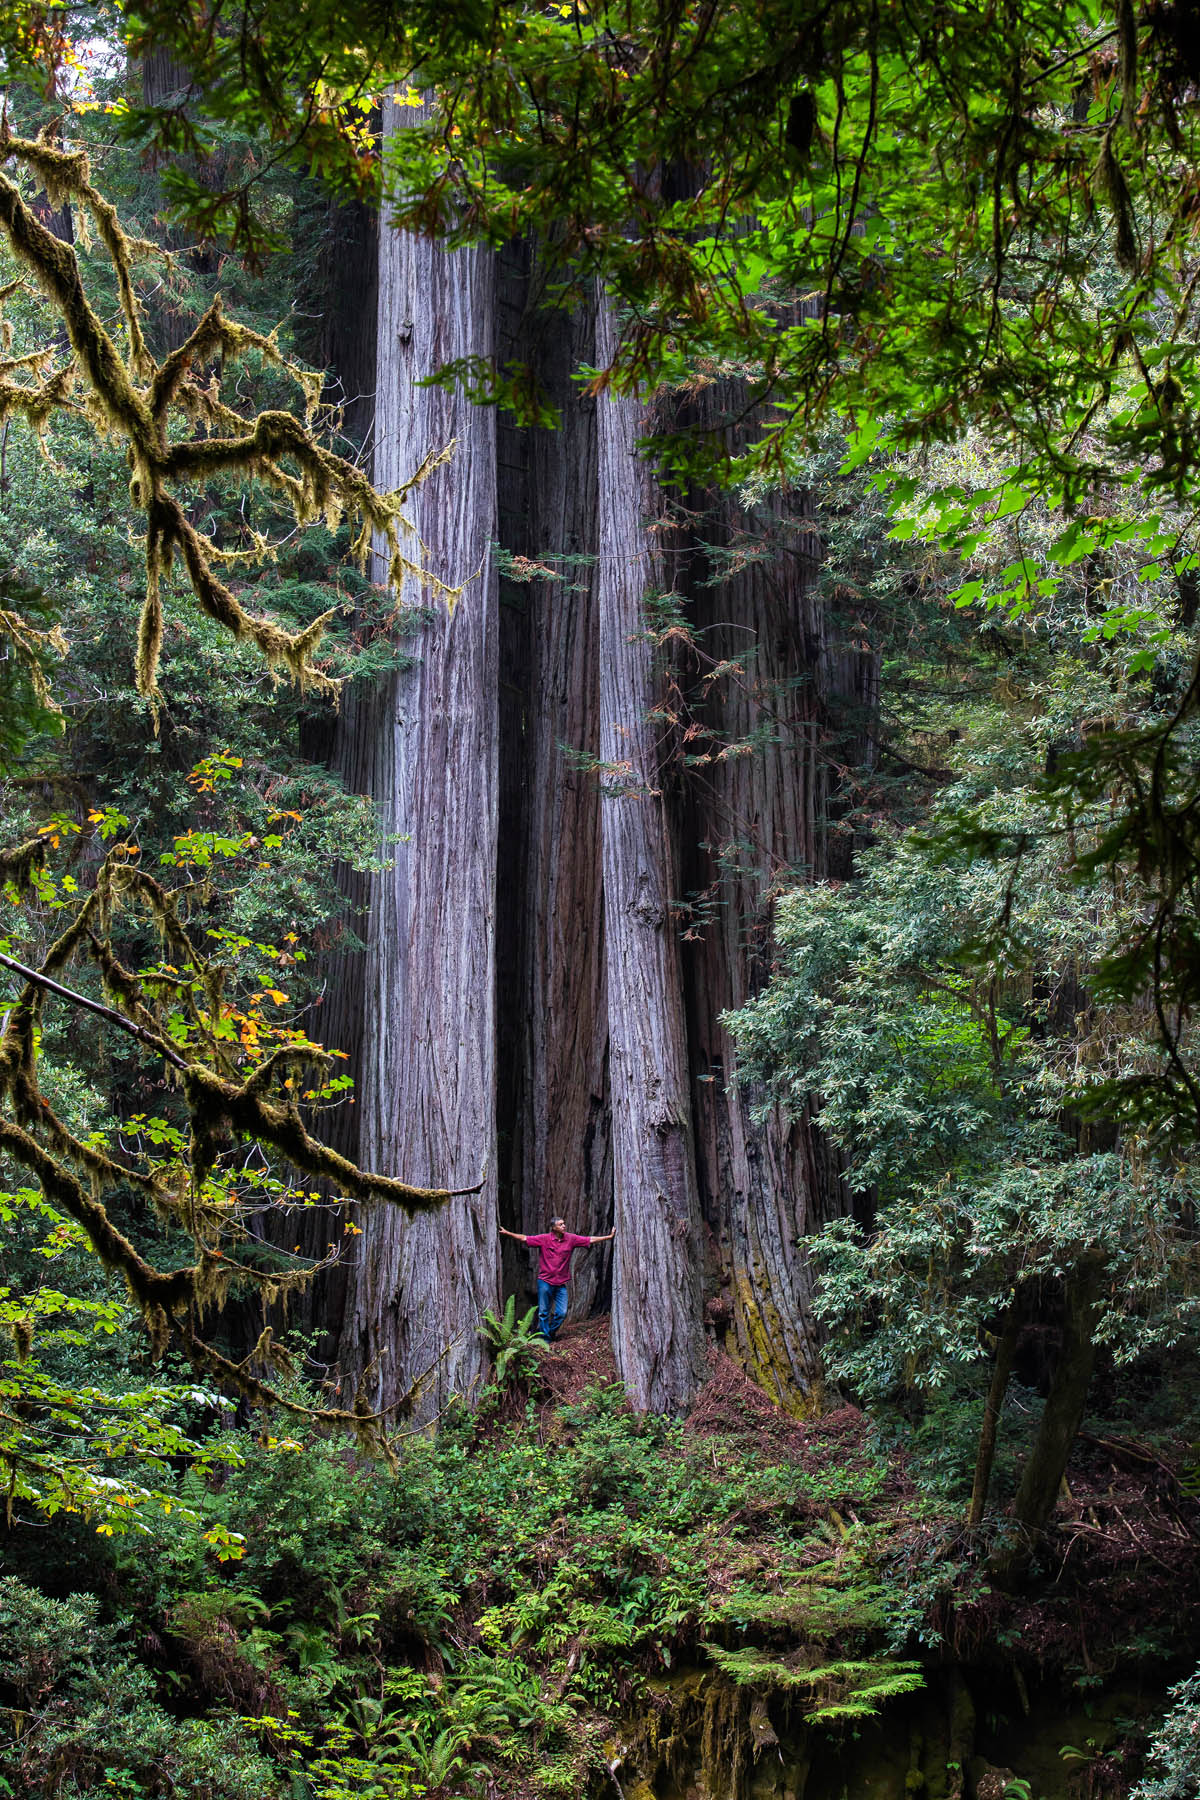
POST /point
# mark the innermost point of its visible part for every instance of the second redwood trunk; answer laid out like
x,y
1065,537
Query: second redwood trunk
x,y
657,1333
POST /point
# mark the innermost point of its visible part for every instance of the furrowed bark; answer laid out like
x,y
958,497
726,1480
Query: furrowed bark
x,y
553,1063
346,281
757,818
657,1333
418,1288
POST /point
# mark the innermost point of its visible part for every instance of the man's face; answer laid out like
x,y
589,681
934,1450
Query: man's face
x,y
558,1227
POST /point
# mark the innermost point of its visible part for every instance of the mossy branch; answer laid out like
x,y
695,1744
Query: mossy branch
x,y
226,1096
110,1013
134,399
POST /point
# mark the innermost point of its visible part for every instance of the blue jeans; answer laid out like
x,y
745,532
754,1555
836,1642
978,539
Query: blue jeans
x,y
552,1308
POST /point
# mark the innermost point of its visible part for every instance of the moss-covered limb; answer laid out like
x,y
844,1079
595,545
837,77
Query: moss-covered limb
x,y
433,459
215,1103
120,878
56,268
66,175
368,1427
32,1111
328,484
36,404
291,1059
279,648
150,1039
167,1298
123,986
131,396
216,334
73,935
19,861
150,1287
151,624
171,374
32,644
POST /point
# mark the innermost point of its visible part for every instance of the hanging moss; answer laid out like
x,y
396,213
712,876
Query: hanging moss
x,y
19,863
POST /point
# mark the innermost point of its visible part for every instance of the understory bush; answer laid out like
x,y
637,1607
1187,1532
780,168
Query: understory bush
x,y
1173,1759
84,1720
490,1605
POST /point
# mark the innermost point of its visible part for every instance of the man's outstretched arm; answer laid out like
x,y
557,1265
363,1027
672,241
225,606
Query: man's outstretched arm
x,y
520,1236
605,1238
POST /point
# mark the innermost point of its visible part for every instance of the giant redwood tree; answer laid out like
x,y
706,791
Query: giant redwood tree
x,y
423,742
657,1331
551,818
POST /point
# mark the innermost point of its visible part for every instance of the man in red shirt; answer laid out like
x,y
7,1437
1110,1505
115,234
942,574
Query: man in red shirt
x,y
554,1249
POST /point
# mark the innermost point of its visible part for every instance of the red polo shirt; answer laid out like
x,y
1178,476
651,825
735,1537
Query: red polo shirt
x,y
554,1255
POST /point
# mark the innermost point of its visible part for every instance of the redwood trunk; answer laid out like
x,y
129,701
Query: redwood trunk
x,y
426,1099
657,1333
759,818
553,1066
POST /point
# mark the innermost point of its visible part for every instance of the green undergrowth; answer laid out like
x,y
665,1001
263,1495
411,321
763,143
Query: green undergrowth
x,y
476,1621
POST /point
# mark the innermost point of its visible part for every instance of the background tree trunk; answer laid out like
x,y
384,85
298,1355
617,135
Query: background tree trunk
x,y
417,1288
1062,1415
553,1060
773,738
657,1333
345,284
993,1406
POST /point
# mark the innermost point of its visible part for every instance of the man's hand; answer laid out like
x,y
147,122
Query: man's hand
x,y
605,1238
513,1234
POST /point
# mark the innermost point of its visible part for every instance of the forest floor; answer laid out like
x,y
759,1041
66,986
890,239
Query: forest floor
x,y
729,1409
1119,1575
554,1588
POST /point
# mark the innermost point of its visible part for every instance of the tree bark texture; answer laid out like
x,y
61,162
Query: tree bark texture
x,y
766,751
657,1332
345,282
602,1058
427,1080
553,1027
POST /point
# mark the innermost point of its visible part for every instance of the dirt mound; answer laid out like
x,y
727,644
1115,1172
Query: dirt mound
x,y
580,1356
731,1405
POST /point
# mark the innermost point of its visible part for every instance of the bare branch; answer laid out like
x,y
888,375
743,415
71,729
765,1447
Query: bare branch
x,y
98,1007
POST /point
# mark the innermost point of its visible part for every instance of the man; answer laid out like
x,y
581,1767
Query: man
x,y
554,1249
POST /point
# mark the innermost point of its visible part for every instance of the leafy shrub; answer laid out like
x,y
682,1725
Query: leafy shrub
x,y
1174,1754
86,1722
